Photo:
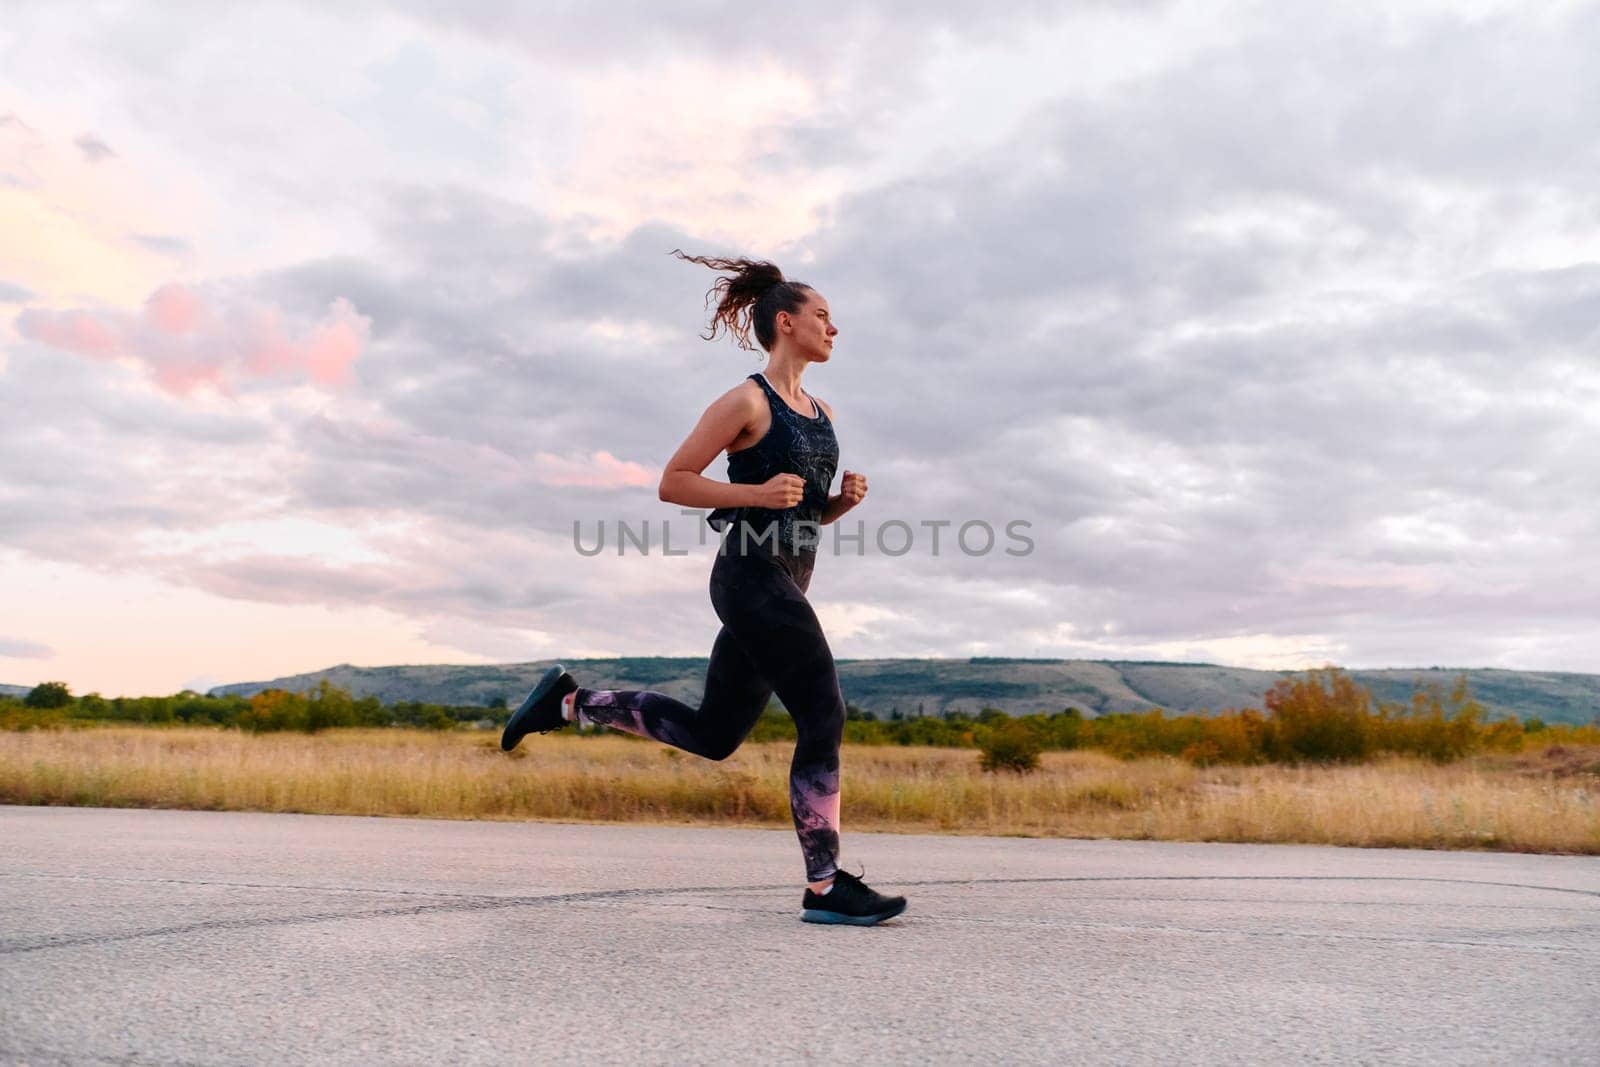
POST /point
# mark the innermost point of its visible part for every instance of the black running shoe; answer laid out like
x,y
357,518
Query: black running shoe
x,y
541,711
850,903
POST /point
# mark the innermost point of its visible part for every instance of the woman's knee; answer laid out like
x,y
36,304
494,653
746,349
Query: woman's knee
x,y
721,748
820,726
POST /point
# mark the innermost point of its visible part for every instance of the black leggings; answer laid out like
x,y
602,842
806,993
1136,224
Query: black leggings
x,y
770,642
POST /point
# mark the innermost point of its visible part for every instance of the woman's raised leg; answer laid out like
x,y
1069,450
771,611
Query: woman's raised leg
x,y
735,697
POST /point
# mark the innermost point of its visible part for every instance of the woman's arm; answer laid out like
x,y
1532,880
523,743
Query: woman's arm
x,y
727,417
835,508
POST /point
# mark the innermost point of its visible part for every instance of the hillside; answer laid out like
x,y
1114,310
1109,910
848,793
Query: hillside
x,y
933,686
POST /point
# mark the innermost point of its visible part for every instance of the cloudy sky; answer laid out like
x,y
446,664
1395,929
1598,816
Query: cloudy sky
x,y
321,326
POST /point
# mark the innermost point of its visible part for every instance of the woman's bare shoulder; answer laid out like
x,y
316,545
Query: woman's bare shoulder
x,y
746,396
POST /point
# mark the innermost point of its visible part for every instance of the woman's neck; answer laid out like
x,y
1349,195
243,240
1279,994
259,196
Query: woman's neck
x,y
784,376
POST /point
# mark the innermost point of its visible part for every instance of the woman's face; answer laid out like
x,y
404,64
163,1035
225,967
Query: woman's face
x,y
813,329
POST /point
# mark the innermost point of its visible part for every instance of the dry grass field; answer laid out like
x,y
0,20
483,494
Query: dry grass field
x,y
1546,801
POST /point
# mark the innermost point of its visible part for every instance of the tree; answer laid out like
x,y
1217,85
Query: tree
x,y
48,695
1322,717
326,706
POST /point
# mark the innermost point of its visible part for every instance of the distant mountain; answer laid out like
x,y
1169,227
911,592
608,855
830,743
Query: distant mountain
x,y
15,690
934,686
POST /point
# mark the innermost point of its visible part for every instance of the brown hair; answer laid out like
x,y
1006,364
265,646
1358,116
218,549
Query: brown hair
x,y
751,297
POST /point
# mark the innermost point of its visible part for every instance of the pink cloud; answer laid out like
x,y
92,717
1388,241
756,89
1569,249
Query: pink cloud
x,y
75,331
185,341
336,344
602,470
174,309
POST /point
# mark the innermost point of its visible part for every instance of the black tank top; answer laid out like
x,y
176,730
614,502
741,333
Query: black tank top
x,y
794,444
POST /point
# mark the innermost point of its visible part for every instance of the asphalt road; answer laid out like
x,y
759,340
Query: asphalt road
x,y
211,937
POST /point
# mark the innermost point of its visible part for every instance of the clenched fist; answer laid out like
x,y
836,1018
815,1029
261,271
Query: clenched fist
x,y
780,491
853,488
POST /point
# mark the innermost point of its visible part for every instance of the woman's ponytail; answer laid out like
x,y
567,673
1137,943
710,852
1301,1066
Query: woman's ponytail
x,y
750,298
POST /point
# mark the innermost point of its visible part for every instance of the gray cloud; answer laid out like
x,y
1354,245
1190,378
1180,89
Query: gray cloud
x,y
17,648
824,37
93,148
12,293
92,467
162,244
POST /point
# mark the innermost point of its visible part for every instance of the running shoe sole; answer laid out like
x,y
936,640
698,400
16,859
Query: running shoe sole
x,y
516,727
835,918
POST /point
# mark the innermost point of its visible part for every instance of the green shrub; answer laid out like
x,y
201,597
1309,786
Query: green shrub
x,y
16,715
775,724
48,695
1010,747
274,709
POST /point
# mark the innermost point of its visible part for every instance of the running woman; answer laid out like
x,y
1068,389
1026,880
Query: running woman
x,y
782,454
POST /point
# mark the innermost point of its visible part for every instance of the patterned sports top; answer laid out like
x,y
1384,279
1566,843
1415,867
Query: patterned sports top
x,y
795,444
